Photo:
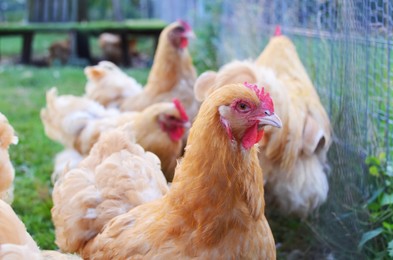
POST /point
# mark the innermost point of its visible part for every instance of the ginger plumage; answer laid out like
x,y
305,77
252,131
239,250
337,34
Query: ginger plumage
x,y
172,75
215,207
314,130
65,160
17,244
108,85
77,123
116,176
7,172
293,158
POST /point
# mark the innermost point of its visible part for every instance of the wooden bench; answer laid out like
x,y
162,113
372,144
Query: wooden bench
x,y
71,16
140,27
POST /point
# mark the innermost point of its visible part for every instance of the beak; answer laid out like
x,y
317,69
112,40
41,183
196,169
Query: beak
x,y
272,120
189,34
187,124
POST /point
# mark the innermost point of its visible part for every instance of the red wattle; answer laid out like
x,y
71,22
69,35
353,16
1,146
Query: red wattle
x,y
183,42
176,134
252,136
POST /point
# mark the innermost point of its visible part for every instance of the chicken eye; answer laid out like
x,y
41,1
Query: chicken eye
x,y
243,107
179,29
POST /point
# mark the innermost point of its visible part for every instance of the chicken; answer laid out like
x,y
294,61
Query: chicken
x,y
16,243
214,209
294,158
7,173
77,123
60,52
135,178
108,85
172,75
110,45
309,181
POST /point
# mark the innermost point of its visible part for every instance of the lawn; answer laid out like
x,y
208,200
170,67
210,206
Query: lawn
x,y
22,95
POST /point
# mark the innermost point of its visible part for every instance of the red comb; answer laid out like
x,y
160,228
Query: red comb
x,y
277,31
185,25
265,98
181,109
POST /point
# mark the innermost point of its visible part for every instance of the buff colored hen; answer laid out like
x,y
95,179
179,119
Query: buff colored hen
x,y
214,209
108,85
17,244
7,173
293,158
78,122
116,176
172,74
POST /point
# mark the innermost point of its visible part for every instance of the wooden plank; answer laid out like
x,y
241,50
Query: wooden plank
x,y
26,47
129,25
124,49
83,30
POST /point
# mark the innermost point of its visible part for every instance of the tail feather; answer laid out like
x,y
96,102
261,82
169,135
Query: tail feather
x,y
66,116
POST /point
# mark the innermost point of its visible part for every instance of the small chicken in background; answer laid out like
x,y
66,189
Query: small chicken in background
x,y
172,75
214,209
7,173
17,244
138,59
108,85
59,52
78,122
293,158
110,45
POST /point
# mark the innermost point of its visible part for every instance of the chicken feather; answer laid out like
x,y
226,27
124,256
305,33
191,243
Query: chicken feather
x,y
17,244
116,176
172,74
7,173
108,85
78,122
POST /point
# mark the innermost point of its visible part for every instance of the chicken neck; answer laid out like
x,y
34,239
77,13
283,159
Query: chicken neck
x,y
218,186
170,66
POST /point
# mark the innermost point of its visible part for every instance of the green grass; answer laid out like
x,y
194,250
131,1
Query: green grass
x,y
22,95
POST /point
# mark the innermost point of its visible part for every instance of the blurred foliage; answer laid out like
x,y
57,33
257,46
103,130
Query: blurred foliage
x,y
377,242
204,48
15,10
12,10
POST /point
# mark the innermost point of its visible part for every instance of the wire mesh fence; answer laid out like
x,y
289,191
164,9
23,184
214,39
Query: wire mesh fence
x,y
346,47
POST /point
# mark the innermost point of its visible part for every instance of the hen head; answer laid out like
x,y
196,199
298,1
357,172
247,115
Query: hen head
x,y
179,33
244,117
171,118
